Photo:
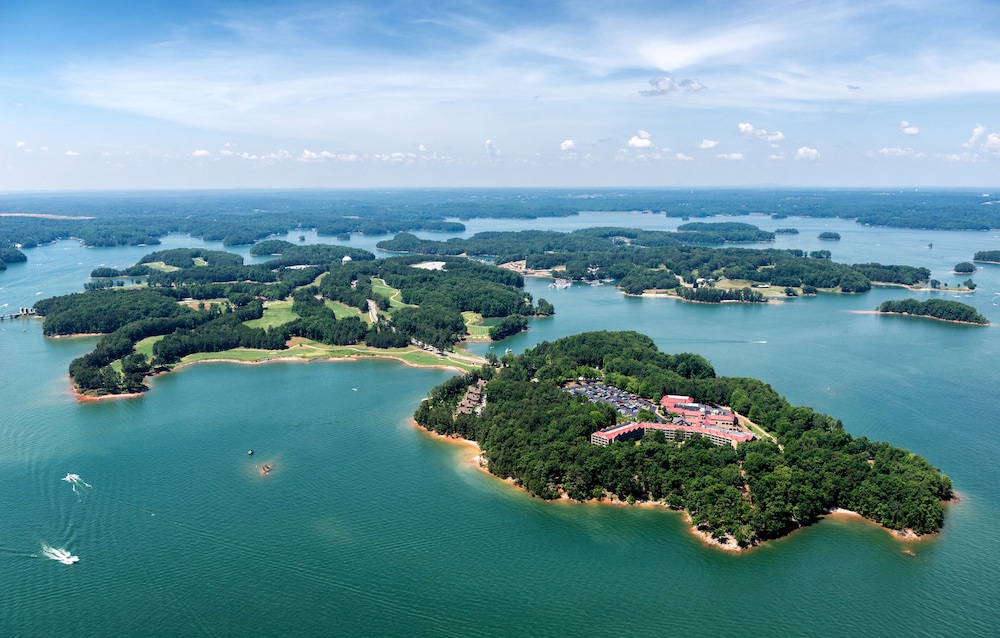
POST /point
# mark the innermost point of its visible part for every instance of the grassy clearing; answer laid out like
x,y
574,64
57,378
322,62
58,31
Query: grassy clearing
x,y
193,303
145,346
395,297
198,261
308,350
276,313
318,279
159,265
774,292
341,310
473,323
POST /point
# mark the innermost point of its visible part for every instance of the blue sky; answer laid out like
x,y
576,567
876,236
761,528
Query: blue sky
x,y
235,94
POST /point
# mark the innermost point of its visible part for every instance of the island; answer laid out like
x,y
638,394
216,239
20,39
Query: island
x,y
312,301
940,309
676,264
606,416
829,236
964,268
987,256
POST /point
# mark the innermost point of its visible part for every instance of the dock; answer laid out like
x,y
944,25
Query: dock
x,y
21,312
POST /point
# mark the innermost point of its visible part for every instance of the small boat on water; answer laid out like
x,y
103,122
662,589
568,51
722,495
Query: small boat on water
x,y
560,284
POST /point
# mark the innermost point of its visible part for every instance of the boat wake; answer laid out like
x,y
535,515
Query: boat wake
x,y
77,482
61,555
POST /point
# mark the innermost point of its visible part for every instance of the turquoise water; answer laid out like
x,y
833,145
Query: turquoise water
x,y
367,526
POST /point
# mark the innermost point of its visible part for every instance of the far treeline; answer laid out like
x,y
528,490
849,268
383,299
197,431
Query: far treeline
x,y
641,260
944,309
225,294
988,256
116,219
538,435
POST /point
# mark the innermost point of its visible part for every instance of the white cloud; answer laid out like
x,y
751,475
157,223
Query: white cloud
x,y
684,158
21,144
735,157
492,150
775,157
567,145
976,134
44,148
201,153
901,152
71,153
640,142
665,84
226,152
422,148
806,154
708,144
750,132
643,134
907,129
992,143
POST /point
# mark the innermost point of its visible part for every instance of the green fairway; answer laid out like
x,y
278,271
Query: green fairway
x,y
395,297
341,310
276,313
308,350
473,323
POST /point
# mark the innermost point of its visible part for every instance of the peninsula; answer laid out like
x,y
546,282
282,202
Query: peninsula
x,y
317,301
743,463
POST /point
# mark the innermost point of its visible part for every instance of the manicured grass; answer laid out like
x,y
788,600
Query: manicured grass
x,y
145,346
198,261
395,297
341,310
307,350
276,313
736,284
159,265
473,323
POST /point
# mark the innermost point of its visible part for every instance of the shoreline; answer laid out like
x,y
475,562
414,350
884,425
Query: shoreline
x,y
87,398
906,314
726,544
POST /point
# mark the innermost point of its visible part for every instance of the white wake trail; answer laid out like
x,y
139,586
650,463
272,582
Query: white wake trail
x,y
61,555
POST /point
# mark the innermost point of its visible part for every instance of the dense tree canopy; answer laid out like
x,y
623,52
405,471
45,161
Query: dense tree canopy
x,y
944,309
539,436
990,256
433,302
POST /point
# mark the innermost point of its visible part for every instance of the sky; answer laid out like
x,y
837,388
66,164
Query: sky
x,y
460,93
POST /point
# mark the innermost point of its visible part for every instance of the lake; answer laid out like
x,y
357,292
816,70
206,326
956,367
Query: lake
x,y
368,526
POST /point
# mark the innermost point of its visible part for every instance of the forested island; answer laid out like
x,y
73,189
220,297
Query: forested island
x,y
988,256
119,219
532,432
641,260
941,309
197,301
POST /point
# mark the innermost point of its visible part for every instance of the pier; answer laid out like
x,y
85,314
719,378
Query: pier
x,y
21,312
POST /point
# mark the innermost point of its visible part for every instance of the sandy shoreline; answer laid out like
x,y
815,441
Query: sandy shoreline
x,y
906,314
727,544
86,398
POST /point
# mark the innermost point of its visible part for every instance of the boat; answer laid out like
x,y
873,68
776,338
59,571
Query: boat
x,y
561,284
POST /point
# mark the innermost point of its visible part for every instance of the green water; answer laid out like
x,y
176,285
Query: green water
x,y
367,526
